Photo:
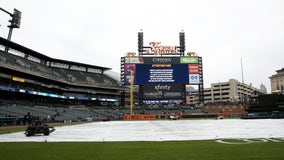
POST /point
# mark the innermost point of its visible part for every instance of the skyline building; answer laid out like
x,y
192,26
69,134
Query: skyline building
x,y
231,91
277,81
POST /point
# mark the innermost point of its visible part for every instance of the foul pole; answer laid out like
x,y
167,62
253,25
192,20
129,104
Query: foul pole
x,y
131,93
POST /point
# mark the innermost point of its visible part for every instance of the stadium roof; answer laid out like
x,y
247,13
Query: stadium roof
x,y
33,53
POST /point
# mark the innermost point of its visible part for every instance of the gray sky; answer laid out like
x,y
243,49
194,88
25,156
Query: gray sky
x,y
99,32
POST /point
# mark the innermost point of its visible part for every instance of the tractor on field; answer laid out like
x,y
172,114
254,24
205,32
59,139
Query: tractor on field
x,y
38,128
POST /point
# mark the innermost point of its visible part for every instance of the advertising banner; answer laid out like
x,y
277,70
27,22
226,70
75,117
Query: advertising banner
x,y
157,49
193,68
193,78
188,60
163,87
134,60
161,60
127,71
159,91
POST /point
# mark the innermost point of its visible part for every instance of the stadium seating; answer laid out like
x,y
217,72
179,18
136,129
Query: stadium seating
x,y
85,92
76,77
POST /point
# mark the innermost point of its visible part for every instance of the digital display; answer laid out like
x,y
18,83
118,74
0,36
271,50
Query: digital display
x,y
155,74
161,70
10,89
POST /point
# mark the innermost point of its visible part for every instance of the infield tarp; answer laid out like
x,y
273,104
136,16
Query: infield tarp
x,y
157,131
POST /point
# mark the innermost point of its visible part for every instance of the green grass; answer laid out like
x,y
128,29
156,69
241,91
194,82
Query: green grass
x,y
4,130
12,129
176,150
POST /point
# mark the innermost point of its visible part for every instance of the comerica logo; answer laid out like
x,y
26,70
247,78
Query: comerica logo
x,y
162,87
162,60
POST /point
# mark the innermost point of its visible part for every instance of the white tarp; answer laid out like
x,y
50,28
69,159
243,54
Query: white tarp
x,y
157,131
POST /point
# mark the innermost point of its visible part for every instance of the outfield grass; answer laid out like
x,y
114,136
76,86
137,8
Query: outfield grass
x,y
183,150
12,129
5,130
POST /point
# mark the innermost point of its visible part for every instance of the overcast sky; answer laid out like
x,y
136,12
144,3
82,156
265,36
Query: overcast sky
x,y
99,32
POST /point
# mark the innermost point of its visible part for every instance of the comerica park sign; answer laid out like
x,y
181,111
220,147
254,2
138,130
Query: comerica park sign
x,y
157,49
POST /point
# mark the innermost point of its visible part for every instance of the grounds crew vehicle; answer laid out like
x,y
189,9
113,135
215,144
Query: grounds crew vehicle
x,y
38,128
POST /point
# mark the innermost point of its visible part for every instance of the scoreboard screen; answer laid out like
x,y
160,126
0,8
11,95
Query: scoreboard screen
x,y
161,70
156,74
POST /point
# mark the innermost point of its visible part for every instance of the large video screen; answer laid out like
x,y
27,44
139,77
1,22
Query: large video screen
x,y
161,70
160,73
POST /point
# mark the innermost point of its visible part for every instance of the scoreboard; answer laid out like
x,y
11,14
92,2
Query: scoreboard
x,y
161,73
162,70
157,73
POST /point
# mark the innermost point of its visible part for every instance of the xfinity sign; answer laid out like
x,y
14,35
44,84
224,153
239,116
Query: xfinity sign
x,y
162,87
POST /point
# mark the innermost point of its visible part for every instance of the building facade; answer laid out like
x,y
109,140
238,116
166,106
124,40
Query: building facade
x,y
277,81
231,91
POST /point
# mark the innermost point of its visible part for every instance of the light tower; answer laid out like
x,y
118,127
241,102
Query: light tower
x,y
15,21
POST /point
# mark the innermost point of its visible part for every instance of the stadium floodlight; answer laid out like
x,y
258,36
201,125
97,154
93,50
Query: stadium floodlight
x,y
140,42
15,21
182,42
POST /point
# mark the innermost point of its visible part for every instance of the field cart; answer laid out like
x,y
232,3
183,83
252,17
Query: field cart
x,y
38,128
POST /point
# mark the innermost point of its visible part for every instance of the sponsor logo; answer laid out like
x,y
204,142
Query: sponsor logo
x,y
135,60
188,59
157,49
172,94
162,60
193,68
155,94
193,78
162,87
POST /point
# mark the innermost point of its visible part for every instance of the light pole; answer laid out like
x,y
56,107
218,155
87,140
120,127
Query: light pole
x,y
15,22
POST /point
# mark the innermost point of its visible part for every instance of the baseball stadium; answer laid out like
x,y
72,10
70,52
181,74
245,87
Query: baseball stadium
x,y
142,115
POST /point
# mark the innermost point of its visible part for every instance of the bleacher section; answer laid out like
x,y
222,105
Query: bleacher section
x,y
52,112
70,113
59,74
41,78
53,89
